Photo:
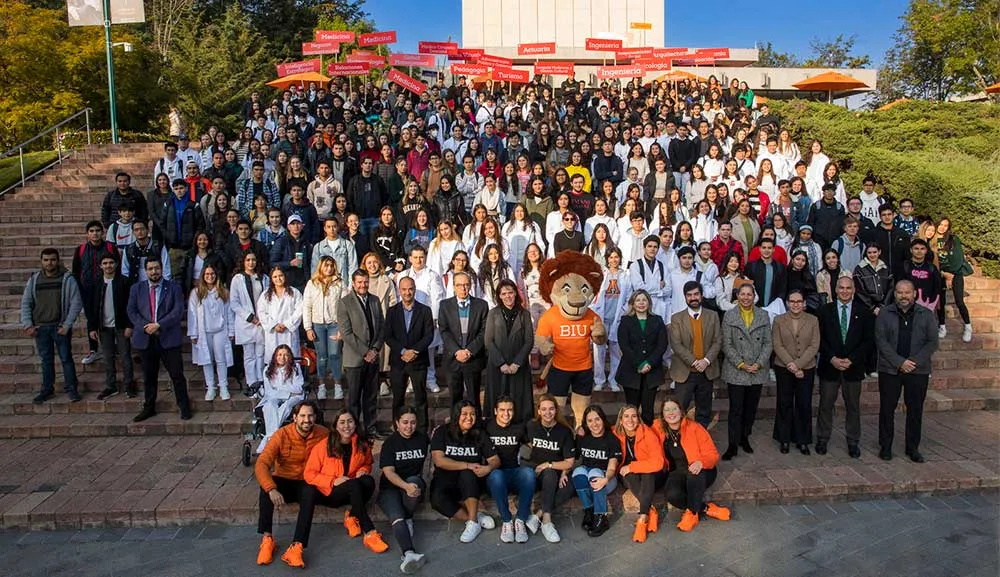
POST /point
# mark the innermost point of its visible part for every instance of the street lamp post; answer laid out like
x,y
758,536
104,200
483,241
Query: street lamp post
x,y
111,72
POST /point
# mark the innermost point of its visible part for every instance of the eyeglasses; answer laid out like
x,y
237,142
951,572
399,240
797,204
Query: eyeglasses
x,y
569,219
796,302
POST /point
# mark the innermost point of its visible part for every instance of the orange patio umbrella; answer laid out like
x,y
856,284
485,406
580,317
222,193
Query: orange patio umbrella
x,y
302,78
829,82
993,89
676,75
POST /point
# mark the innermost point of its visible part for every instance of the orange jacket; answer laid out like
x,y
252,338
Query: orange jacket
x,y
696,442
286,452
321,469
648,451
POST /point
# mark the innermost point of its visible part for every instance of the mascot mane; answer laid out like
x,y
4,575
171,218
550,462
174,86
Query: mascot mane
x,y
564,263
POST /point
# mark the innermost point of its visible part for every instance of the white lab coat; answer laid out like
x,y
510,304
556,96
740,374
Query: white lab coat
x,y
286,310
518,237
211,321
709,272
656,281
440,254
244,305
280,395
592,222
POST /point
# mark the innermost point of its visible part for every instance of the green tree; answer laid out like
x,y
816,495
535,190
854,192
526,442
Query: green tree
x,y
836,53
768,57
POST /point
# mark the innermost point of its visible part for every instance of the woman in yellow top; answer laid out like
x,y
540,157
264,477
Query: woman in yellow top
x,y
576,166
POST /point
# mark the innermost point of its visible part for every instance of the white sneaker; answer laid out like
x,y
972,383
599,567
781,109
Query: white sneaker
x,y
224,393
433,388
321,392
412,562
967,334
92,356
614,387
533,523
485,521
210,394
520,531
507,532
942,331
599,386
338,392
409,527
383,390
472,530
550,533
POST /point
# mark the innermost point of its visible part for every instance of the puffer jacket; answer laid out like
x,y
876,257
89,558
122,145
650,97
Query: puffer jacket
x,y
873,284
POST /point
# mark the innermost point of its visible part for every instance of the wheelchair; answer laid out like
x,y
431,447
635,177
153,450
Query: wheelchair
x,y
257,429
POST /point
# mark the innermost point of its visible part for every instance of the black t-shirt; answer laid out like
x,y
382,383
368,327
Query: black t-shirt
x,y
629,455
472,447
345,456
406,456
674,452
595,452
507,442
550,445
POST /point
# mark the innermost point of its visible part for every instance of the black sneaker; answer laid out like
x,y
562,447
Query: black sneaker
x,y
74,397
146,413
108,392
42,397
130,390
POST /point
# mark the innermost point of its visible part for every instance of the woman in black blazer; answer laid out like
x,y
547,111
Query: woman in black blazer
x,y
642,337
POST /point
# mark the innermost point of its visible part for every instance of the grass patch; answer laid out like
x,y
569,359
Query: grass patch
x,y
10,168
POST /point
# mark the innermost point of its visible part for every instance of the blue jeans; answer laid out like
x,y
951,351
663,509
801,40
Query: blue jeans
x,y
520,480
589,497
367,226
327,351
682,182
47,339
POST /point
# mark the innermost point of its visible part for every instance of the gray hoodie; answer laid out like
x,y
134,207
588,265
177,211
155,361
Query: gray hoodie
x,y
72,301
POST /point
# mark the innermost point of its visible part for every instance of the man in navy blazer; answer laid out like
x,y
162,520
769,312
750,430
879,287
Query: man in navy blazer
x,y
156,307
409,330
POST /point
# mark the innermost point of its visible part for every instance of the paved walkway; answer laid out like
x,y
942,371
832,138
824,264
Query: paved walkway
x,y
926,537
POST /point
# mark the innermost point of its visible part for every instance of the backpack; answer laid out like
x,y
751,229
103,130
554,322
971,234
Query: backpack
x,y
108,246
642,270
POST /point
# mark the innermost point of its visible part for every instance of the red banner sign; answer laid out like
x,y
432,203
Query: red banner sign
x,y
536,49
436,47
633,53
334,36
555,68
510,75
654,64
495,61
376,38
465,54
365,56
317,48
700,61
670,52
406,81
717,53
288,68
469,69
348,69
630,71
603,44
411,60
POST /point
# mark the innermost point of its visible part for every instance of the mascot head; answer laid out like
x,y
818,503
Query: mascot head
x,y
570,281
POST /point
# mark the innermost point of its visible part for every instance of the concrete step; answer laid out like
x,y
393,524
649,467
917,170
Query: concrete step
x,y
172,480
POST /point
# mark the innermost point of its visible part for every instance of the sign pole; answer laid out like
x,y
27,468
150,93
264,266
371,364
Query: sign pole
x,y
111,72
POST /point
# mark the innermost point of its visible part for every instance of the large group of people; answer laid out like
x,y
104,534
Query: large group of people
x,y
387,231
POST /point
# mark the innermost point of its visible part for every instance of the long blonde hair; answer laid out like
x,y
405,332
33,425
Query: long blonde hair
x,y
630,311
325,283
202,289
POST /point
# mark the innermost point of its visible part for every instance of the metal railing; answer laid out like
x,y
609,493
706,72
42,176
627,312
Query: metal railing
x,y
61,151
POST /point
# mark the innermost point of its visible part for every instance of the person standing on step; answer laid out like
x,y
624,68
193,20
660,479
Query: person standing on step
x,y
746,346
696,339
211,328
279,471
509,340
846,340
430,292
133,264
87,272
49,306
643,339
906,337
362,329
156,306
108,322
122,193
245,290
796,340
401,485
319,319
462,321
409,331
599,453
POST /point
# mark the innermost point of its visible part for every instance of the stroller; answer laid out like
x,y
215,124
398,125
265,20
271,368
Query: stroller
x,y
257,430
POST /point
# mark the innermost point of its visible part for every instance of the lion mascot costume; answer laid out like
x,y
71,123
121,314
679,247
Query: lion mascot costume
x,y
570,283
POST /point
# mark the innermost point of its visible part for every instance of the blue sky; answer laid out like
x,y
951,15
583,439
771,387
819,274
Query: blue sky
x,y
788,24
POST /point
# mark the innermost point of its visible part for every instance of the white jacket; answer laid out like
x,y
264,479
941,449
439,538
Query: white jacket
x,y
281,387
211,316
592,222
704,227
243,305
319,308
518,237
285,310
441,252
656,281
430,289
611,313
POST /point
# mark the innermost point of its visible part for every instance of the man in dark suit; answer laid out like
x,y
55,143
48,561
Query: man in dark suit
x,y
696,339
906,336
409,330
843,351
361,328
462,322
156,307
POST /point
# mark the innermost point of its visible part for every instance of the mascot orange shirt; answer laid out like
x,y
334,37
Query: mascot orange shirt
x,y
571,338
569,282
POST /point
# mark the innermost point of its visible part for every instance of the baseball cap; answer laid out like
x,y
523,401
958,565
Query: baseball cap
x,y
294,218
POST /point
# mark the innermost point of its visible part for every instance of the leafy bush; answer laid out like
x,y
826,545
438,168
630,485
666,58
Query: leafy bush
x,y
79,139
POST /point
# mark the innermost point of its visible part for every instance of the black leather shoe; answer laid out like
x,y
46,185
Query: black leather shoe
x,y
804,449
820,447
730,453
916,457
601,524
588,518
885,453
745,445
854,451
145,413
784,448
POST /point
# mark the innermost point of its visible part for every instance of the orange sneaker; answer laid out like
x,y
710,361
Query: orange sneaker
x,y
266,553
653,524
717,512
688,521
352,525
373,540
293,556
639,535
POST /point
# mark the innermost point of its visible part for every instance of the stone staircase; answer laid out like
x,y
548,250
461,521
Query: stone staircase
x,y
52,210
